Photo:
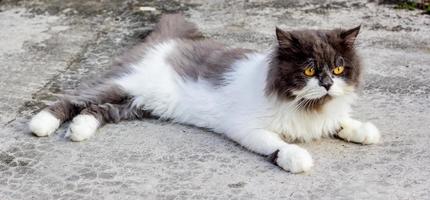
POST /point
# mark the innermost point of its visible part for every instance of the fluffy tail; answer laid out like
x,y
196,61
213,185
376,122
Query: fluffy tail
x,y
174,26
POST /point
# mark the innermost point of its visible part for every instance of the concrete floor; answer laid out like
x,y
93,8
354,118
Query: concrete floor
x,y
47,46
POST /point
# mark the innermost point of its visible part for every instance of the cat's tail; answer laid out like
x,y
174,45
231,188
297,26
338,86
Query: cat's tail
x,y
174,26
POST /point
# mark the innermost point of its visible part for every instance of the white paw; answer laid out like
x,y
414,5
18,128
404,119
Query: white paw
x,y
82,127
294,159
371,133
364,133
44,123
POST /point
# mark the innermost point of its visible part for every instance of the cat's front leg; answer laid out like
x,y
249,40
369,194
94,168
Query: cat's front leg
x,y
359,132
289,157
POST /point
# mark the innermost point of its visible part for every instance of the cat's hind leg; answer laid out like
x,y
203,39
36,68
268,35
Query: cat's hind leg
x,y
85,124
48,120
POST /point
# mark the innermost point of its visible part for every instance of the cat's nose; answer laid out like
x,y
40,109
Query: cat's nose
x,y
326,83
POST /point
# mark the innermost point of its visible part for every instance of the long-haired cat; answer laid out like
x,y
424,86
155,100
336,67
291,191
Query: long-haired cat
x,y
300,90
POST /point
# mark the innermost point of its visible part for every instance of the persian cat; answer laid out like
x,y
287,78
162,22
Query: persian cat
x,y
300,90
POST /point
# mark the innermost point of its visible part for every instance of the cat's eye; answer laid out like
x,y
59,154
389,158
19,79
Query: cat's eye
x,y
338,70
309,71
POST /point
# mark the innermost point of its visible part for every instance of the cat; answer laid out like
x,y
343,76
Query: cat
x,y
300,90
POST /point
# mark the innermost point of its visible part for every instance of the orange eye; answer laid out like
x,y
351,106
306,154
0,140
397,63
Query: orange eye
x,y
309,71
338,70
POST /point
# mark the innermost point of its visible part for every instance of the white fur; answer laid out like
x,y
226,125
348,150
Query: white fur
x,y
294,159
44,123
355,131
82,127
295,124
312,90
152,81
241,110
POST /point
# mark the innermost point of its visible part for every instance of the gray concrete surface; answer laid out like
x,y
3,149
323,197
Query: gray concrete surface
x,y
47,46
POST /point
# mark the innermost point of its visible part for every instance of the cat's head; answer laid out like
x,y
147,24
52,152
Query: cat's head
x,y
314,66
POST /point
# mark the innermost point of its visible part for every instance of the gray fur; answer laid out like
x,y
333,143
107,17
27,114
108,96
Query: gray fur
x,y
205,59
113,113
72,104
174,26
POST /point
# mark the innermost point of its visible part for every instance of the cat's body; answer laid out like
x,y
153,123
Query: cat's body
x,y
175,75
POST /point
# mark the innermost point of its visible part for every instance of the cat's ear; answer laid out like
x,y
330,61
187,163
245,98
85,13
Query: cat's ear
x,y
349,36
285,39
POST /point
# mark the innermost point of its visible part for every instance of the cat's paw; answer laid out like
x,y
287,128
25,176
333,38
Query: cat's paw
x,y
372,133
294,159
364,133
44,123
82,127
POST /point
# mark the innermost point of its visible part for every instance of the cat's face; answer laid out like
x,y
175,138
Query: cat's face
x,y
313,67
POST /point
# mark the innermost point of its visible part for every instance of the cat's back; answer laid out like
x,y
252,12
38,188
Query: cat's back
x,y
183,60
180,76
206,60
183,79
176,53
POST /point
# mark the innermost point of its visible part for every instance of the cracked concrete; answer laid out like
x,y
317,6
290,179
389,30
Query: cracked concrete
x,y
48,46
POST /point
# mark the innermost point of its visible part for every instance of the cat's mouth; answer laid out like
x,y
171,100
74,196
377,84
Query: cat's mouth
x,y
313,104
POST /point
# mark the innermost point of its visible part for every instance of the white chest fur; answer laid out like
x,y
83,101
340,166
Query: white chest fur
x,y
299,125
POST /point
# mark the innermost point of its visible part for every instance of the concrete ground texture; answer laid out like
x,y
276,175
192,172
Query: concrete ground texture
x,y
49,46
